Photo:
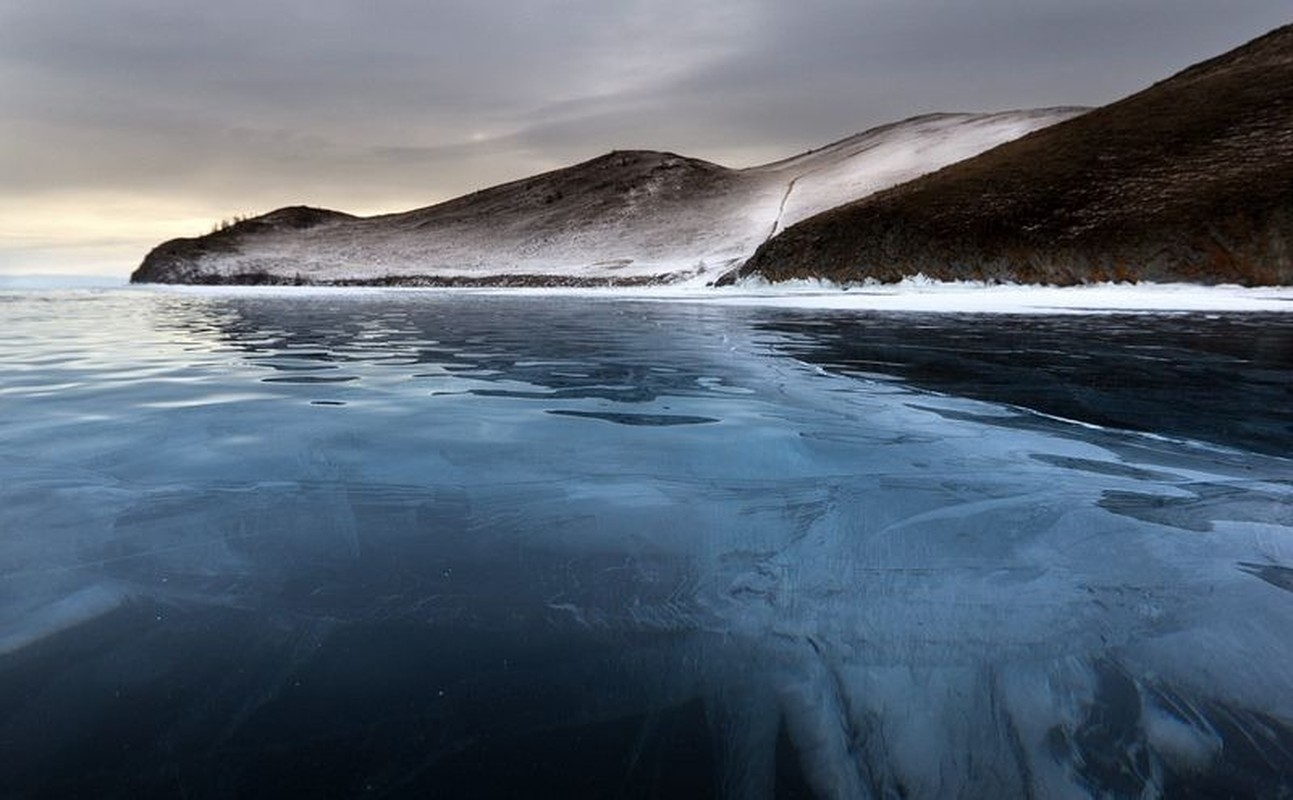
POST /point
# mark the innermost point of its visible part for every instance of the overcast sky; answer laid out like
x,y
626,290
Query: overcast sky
x,y
125,122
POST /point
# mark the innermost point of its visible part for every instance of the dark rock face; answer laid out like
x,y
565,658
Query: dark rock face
x,y
1188,180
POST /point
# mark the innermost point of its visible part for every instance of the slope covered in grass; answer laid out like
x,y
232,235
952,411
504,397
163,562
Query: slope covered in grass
x,y
1190,179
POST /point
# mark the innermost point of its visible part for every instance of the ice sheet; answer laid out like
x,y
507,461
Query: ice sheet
x,y
456,542
914,295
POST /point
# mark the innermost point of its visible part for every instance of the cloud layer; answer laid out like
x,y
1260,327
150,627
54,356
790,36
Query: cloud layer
x,y
127,121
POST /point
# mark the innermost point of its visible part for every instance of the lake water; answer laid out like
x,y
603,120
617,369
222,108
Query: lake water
x,y
419,544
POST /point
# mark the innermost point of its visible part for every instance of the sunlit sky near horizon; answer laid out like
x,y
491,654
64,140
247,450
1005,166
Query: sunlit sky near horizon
x,y
127,122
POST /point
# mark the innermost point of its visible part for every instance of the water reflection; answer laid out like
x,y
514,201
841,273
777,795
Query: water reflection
x,y
635,419
582,548
1225,379
582,349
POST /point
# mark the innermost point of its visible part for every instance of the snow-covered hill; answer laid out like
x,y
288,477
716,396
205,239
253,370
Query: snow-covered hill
x,y
629,217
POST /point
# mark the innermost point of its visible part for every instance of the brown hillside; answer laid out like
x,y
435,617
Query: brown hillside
x,y
1190,179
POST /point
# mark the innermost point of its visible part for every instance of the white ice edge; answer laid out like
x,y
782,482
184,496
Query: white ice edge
x,y
918,295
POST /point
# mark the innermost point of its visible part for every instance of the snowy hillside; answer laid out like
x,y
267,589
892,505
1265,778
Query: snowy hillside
x,y
626,218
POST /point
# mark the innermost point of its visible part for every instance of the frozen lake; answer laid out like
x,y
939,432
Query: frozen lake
x,y
414,544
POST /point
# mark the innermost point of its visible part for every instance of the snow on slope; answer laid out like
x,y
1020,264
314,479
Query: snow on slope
x,y
883,157
632,217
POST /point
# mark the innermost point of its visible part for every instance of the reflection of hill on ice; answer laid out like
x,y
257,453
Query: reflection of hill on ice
x,y
917,594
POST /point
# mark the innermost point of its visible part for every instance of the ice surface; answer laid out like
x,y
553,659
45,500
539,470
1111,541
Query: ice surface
x,y
580,545
916,295
919,294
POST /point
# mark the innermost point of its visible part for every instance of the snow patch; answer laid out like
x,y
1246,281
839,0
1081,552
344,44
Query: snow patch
x,y
923,294
918,294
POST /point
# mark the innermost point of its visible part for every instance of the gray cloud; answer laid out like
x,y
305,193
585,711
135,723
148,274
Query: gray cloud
x,y
243,105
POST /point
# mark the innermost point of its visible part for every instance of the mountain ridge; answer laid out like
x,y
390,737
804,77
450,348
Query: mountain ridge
x,y
627,217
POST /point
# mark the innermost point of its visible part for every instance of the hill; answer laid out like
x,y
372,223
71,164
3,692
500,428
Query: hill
x,y
625,218
1188,180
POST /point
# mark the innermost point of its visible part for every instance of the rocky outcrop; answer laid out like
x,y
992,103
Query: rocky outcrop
x,y
1188,180
181,260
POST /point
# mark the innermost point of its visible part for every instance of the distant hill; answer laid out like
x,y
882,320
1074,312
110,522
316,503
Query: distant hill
x,y
1189,180
625,218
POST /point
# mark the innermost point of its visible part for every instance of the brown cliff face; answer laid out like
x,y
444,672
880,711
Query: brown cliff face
x,y
1189,180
